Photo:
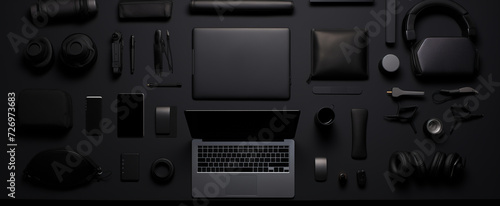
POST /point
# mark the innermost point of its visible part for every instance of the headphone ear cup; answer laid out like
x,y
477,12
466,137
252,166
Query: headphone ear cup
x,y
453,166
418,162
437,165
415,66
399,164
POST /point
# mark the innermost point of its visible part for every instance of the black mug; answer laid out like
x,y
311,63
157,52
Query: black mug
x,y
325,116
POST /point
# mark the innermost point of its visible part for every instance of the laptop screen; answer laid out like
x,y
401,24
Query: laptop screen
x,y
242,125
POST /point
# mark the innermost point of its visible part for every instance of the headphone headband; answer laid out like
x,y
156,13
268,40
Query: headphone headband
x,y
411,16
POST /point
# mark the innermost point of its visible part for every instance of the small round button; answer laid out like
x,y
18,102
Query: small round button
x,y
390,63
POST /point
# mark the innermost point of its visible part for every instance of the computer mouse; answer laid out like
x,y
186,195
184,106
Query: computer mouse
x,y
320,169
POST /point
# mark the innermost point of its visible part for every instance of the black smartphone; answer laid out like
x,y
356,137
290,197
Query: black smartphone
x,y
93,115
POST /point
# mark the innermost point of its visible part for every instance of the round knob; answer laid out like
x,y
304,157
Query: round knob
x,y
390,63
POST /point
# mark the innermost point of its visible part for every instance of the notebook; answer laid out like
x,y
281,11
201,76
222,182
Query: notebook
x,y
241,64
243,153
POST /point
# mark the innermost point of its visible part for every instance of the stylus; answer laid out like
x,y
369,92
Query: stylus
x,y
336,90
132,54
151,85
397,92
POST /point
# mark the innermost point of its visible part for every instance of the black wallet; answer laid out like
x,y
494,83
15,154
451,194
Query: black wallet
x,y
339,55
146,9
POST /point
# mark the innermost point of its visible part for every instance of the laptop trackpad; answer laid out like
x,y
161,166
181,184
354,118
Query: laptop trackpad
x,y
242,185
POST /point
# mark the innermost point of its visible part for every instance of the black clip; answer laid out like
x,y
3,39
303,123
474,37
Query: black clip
x,y
117,50
405,115
462,114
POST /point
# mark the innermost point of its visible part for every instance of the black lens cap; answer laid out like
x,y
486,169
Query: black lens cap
x,y
39,53
162,170
78,51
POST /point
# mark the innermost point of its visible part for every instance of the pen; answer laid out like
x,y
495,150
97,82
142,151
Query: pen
x,y
132,54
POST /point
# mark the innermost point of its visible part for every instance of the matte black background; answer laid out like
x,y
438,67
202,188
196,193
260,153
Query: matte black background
x,y
477,140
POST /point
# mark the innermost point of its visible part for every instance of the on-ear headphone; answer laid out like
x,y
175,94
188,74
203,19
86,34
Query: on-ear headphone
x,y
442,56
443,166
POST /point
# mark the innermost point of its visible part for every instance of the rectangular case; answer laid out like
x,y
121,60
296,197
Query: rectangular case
x,y
149,9
130,167
242,6
45,111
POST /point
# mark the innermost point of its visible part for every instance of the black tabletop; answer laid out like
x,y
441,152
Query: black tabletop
x,y
476,140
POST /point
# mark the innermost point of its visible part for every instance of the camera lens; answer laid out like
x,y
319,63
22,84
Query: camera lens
x,y
46,11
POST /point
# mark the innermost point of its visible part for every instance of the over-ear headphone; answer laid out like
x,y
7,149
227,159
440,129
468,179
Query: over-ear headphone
x,y
442,56
443,166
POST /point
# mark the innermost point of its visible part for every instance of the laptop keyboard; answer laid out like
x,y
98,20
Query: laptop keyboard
x,y
248,158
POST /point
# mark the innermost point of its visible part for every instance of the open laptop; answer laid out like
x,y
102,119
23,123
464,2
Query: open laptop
x,y
241,64
243,153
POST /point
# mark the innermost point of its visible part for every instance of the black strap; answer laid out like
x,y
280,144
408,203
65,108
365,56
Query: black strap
x,y
440,97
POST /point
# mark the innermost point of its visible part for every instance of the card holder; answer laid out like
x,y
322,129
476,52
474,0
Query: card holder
x,y
339,55
148,9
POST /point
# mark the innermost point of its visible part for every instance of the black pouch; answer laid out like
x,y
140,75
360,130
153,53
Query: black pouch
x,y
61,169
339,55
45,111
146,9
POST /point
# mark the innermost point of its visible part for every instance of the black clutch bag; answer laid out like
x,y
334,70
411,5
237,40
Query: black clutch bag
x,y
339,55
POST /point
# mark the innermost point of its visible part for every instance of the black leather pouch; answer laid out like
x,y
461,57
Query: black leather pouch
x,y
339,55
61,169
146,9
45,111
